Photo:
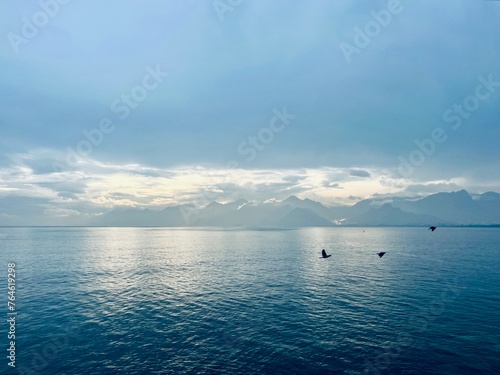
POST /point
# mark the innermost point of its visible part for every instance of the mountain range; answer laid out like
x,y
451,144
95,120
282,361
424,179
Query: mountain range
x,y
441,209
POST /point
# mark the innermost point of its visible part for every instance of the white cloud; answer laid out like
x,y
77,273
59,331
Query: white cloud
x,y
101,186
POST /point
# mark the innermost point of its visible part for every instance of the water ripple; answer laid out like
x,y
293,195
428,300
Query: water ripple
x,y
161,301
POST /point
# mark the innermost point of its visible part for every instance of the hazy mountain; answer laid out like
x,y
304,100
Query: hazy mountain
x,y
242,213
489,208
316,207
358,209
136,217
388,215
330,213
303,217
217,214
456,208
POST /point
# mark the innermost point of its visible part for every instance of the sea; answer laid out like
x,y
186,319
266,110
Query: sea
x,y
250,301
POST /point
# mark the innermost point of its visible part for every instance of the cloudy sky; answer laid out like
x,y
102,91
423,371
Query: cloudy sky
x,y
156,103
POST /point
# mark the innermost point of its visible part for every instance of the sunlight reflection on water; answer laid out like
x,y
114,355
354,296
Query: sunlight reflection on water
x,y
229,301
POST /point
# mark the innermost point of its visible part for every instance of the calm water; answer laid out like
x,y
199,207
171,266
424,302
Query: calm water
x,y
190,301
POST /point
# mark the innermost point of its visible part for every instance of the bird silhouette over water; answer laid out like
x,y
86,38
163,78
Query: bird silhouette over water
x,y
324,255
381,254
432,229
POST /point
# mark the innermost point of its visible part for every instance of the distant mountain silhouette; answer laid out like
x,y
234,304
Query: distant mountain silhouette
x,y
247,214
303,217
133,217
217,214
488,207
388,215
455,208
316,207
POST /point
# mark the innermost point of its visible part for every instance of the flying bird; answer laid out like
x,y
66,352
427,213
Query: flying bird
x,y
432,229
324,255
381,254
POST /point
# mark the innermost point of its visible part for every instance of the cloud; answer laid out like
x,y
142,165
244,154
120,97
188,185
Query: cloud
x,y
432,187
359,173
73,197
332,185
353,120
192,117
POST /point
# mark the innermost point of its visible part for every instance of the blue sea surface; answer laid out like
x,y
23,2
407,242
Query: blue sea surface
x,y
248,301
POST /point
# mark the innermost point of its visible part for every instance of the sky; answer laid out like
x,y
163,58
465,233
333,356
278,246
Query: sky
x,y
158,103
